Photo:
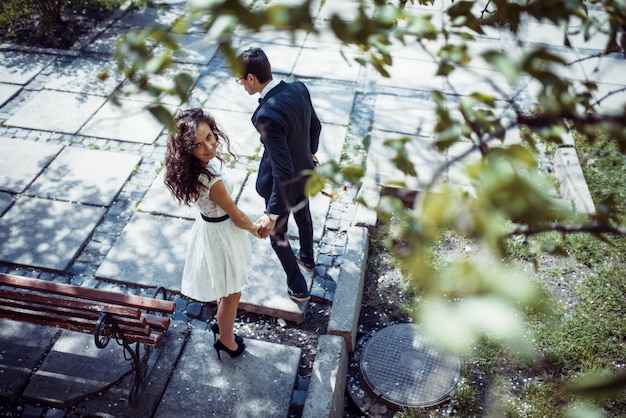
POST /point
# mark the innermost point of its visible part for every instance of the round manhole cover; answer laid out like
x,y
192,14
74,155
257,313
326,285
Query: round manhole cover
x,y
405,369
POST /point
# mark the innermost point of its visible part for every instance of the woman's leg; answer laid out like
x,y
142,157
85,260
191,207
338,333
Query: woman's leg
x,y
226,313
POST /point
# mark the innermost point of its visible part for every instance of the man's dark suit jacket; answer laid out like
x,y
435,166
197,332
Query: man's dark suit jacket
x,y
290,132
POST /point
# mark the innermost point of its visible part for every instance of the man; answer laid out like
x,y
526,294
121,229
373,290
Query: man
x,y
290,131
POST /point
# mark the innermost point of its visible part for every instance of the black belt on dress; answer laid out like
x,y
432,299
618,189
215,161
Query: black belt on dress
x,y
220,219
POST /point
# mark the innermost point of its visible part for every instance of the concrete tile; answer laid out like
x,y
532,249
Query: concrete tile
x,y
345,10
87,176
245,139
23,347
144,17
6,200
332,104
194,49
245,39
424,156
130,92
159,200
282,57
258,383
332,140
335,67
105,42
266,291
98,369
37,232
465,81
150,251
42,112
83,76
131,122
22,161
404,115
7,91
20,68
412,74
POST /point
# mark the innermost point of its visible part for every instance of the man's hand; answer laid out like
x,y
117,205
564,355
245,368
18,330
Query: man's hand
x,y
266,226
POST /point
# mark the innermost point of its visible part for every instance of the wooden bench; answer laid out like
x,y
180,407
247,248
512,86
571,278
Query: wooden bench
x,y
129,319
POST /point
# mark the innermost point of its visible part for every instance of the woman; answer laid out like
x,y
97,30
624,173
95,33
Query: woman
x,y
219,253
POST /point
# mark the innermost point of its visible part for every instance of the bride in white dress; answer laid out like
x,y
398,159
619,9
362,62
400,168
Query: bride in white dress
x,y
219,252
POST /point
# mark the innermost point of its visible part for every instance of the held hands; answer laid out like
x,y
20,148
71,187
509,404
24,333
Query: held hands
x,y
255,231
266,226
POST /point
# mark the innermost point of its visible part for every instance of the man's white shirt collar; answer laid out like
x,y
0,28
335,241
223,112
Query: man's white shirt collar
x,y
269,86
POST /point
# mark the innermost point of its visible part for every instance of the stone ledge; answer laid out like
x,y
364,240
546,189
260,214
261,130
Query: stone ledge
x,y
325,397
344,317
573,184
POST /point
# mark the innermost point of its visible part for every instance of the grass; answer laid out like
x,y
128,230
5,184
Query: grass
x,y
591,338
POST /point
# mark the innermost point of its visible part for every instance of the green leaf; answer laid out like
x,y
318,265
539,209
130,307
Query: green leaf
x,y
164,116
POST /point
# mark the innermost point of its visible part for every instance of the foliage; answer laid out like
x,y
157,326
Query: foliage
x,y
511,197
47,21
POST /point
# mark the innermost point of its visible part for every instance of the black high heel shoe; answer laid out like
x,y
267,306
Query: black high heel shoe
x,y
233,353
216,330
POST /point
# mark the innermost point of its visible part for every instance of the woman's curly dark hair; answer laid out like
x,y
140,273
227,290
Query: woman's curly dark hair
x,y
182,169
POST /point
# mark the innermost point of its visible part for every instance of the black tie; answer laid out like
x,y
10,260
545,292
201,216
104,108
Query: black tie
x,y
260,100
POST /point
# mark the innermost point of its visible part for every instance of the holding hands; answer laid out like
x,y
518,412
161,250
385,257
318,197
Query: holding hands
x,y
266,226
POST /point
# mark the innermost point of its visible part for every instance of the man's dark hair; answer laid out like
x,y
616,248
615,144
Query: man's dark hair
x,y
255,62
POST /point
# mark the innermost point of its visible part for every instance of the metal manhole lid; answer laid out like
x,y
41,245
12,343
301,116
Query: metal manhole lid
x,y
406,369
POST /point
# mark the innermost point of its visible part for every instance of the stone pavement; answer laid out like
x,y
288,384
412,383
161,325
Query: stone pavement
x,y
82,202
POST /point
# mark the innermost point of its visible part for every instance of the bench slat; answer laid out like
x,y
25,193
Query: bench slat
x,y
87,326
67,312
151,304
75,303
156,321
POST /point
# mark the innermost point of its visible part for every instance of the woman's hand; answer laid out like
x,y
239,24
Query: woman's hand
x,y
256,231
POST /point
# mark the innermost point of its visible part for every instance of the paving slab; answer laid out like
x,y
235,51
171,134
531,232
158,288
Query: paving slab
x,y
258,383
75,368
150,251
468,80
129,91
194,49
336,66
412,74
332,141
144,17
6,200
7,91
115,402
282,57
159,200
266,291
404,115
23,346
43,111
85,75
36,232
420,152
83,175
333,104
105,42
244,138
22,161
130,122
20,68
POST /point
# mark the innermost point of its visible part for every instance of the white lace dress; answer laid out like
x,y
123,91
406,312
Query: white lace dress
x,y
219,253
